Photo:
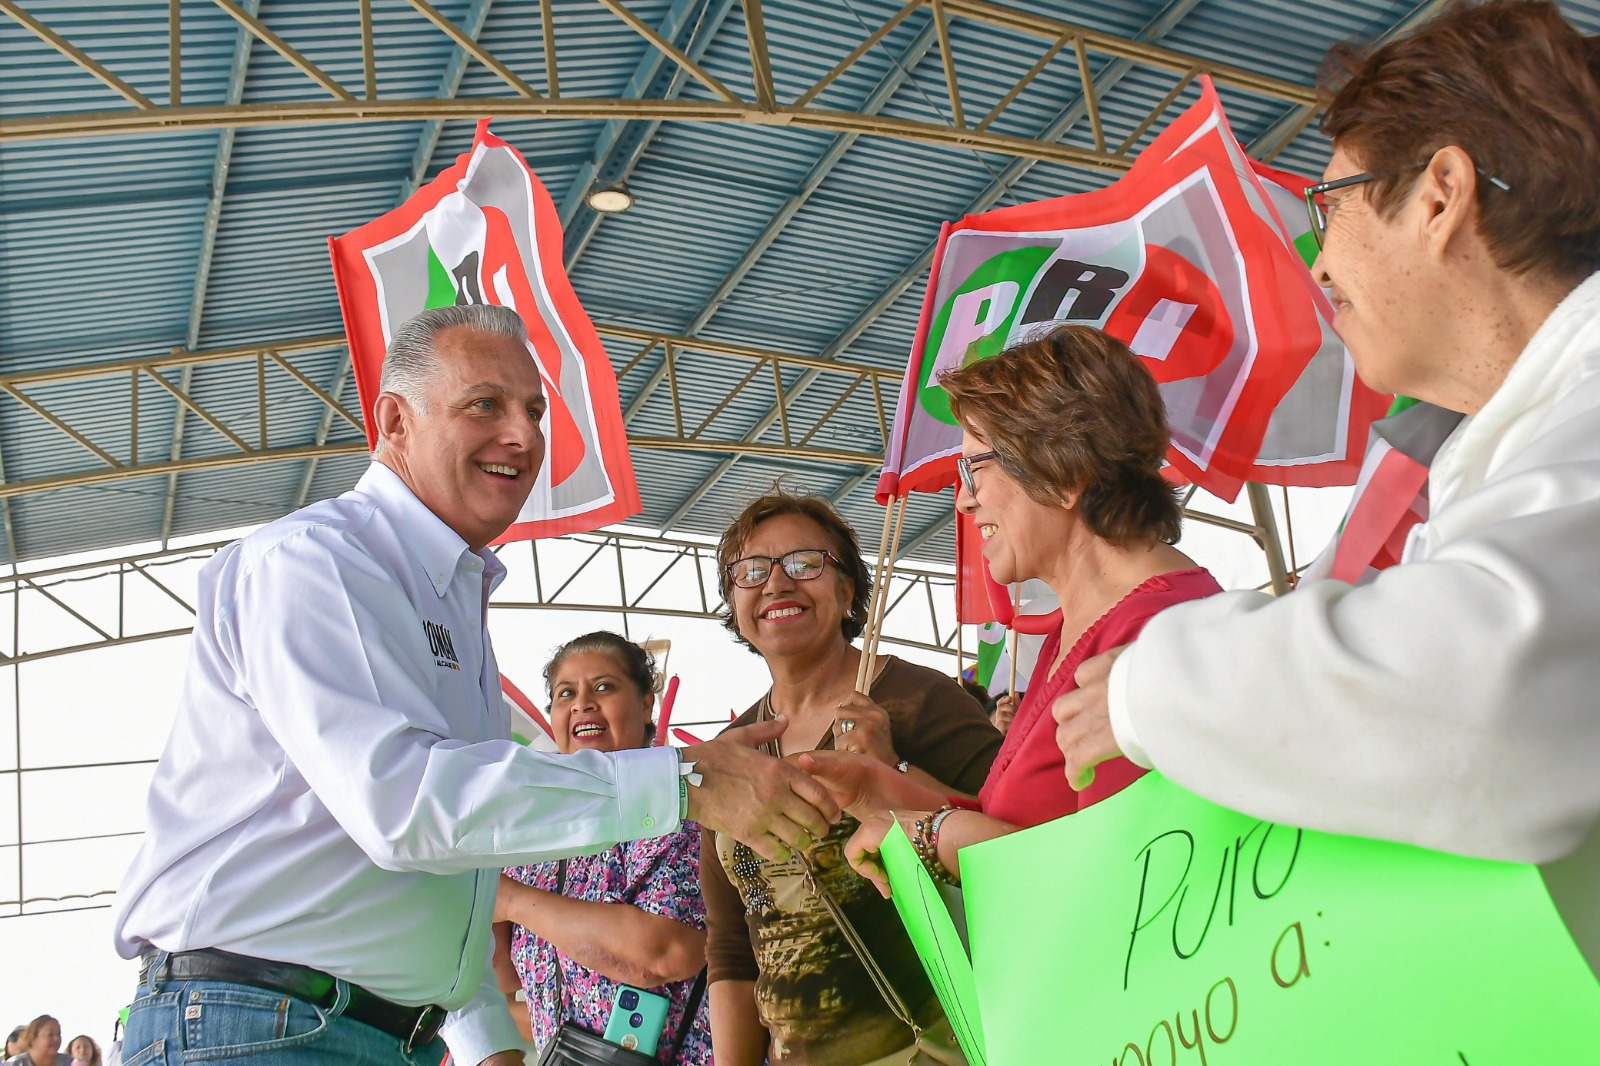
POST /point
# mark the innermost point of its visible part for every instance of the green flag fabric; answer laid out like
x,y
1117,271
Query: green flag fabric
x,y
991,646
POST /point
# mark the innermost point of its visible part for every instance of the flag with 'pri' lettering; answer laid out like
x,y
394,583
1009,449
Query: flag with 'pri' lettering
x,y
1190,258
486,231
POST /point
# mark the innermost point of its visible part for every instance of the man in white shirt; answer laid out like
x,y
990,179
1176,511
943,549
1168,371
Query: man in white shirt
x,y
1452,701
327,823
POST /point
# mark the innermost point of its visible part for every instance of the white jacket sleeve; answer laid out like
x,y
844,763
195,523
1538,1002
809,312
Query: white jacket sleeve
x,y
1452,703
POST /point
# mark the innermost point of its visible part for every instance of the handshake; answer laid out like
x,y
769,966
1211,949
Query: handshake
x,y
781,806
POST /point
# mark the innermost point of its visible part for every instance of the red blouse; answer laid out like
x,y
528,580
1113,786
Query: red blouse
x,y
1027,784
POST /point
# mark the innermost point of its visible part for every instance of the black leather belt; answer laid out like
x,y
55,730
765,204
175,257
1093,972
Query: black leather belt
x,y
415,1026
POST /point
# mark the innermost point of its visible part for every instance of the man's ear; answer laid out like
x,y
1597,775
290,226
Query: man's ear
x,y
1447,193
392,415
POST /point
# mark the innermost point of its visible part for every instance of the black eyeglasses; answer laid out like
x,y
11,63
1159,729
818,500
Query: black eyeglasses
x,y
964,465
1319,214
803,564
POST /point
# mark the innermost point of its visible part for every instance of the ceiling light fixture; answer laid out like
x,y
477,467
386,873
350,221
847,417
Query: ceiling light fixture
x,y
610,198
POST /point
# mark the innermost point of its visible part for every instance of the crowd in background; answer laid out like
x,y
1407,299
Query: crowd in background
x,y
1420,224
803,960
1461,244
39,1044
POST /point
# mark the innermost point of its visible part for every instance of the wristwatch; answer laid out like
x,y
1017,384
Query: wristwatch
x,y
687,775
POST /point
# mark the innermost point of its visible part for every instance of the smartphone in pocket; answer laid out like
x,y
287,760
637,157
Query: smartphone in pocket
x,y
637,1018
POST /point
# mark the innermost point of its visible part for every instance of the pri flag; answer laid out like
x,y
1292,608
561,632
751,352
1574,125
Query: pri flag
x,y
1191,258
486,231
1391,495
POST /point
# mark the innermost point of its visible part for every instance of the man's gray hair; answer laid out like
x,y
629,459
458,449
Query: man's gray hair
x,y
409,365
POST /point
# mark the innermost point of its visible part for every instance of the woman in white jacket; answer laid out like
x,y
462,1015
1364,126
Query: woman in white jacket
x,y
1454,700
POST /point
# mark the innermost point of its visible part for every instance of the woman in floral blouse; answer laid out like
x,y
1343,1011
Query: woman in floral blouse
x,y
632,914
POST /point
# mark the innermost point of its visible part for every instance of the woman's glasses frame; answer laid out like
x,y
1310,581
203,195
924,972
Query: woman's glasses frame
x,y
1319,215
789,561
964,465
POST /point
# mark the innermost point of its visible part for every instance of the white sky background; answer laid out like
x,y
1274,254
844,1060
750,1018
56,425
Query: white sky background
x,y
111,705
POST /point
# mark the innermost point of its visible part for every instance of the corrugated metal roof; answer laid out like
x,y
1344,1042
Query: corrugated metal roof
x,y
109,243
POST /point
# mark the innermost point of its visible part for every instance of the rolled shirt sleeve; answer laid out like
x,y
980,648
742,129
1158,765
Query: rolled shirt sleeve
x,y
484,1026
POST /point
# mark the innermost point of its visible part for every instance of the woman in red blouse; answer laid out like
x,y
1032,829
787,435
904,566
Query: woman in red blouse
x,y
1063,440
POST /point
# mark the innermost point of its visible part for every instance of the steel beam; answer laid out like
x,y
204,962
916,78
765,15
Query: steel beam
x,y
237,71
275,356
345,107
77,55
835,153
644,75
312,113
257,28
1159,26
1287,126
466,40
421,156
449,85
5,519
594,594
619,149
1266,535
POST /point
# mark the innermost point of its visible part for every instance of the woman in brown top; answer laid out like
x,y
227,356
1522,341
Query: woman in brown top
x,y
786,985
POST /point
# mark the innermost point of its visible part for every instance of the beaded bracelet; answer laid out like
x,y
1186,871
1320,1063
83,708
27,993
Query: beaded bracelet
x,y
925,840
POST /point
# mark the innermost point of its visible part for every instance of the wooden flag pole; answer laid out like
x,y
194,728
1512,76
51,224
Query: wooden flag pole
x,y
880,603
883,601
872,601
1016,609
960,666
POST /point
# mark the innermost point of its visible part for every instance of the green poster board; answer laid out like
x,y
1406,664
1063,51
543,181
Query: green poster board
x,y
933,934
1157,928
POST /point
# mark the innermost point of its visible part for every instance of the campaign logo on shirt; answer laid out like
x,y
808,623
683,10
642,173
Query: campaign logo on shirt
x,y
439,640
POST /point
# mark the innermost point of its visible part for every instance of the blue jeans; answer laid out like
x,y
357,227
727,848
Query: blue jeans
x,y
176,1022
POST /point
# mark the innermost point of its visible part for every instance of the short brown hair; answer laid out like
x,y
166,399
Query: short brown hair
x,y
1513,85
1073,411
34,1026
846,548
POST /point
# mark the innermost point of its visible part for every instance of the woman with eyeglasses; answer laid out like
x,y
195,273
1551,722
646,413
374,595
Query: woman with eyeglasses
x,y
1063,440
787,986
1448,701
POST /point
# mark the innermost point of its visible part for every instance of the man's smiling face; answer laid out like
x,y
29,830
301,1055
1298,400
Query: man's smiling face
x,y
471,454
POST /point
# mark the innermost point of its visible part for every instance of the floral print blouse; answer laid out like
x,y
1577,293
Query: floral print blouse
x,y
662,876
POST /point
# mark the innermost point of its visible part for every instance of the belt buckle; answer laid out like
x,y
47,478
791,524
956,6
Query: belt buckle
x,y
429,1021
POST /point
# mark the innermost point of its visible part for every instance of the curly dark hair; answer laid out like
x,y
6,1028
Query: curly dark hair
x,y
638,665
845,545
1071,411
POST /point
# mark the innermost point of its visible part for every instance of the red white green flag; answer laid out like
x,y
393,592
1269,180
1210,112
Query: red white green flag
x,y
486,231
1314,435
1391,495
1191,259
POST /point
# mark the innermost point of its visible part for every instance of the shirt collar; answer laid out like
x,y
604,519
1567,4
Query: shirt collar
x,y
436,546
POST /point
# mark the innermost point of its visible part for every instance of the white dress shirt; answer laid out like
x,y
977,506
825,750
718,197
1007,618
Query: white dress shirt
x,y
340,788
1452,701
